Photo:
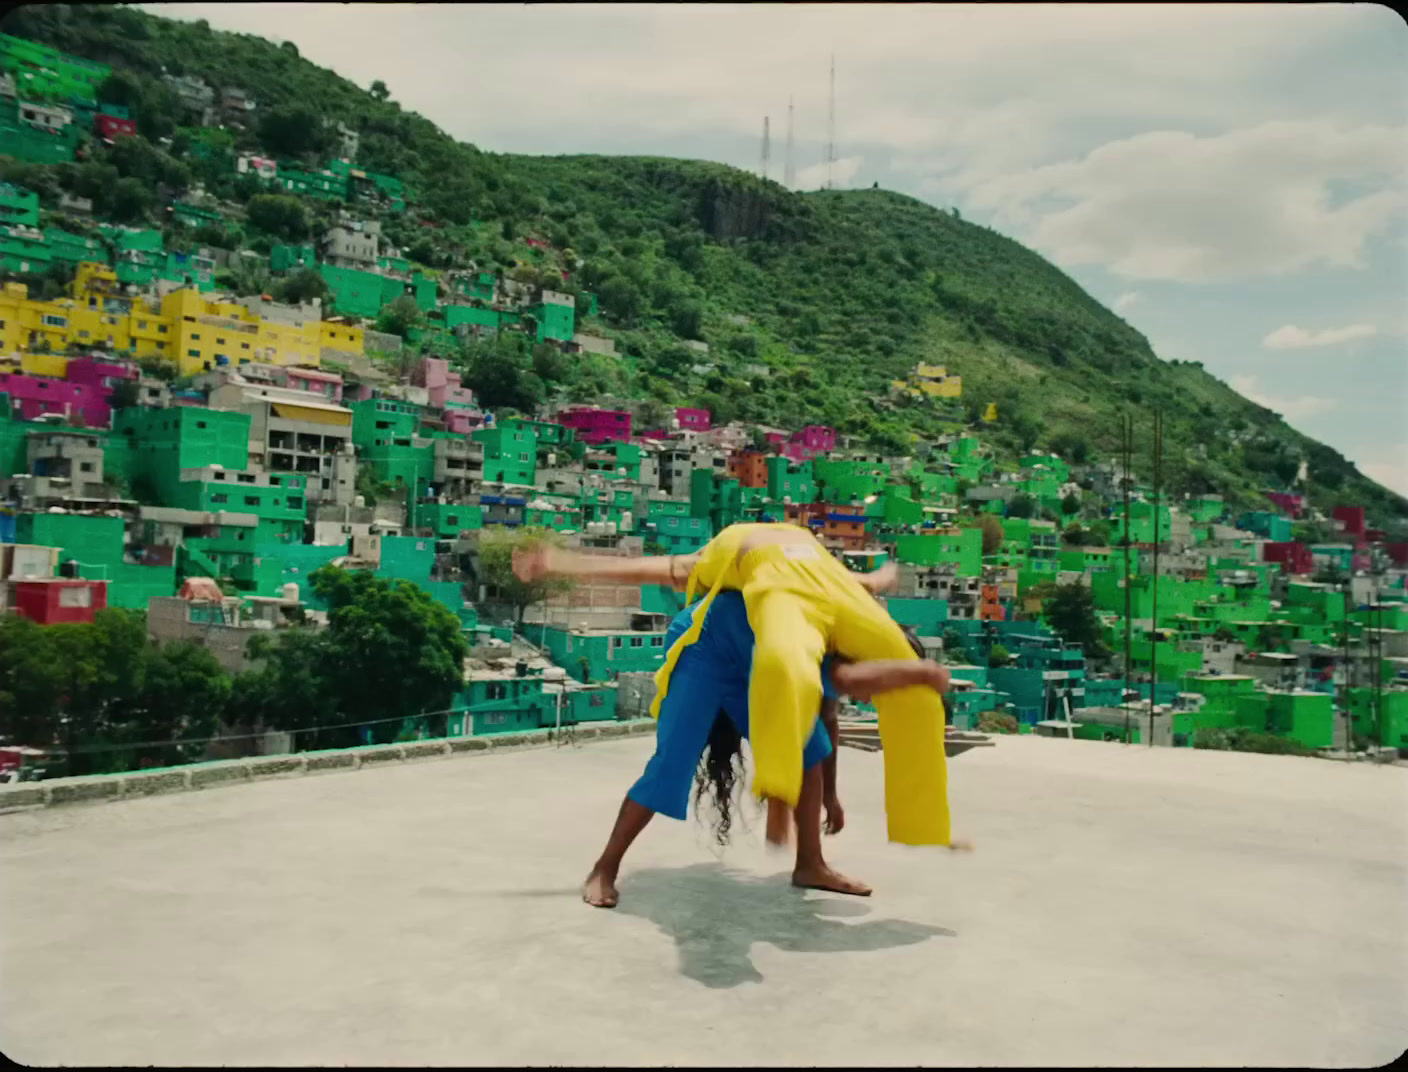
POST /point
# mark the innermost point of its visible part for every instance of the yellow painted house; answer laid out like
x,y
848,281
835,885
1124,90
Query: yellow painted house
x,y
193,333
933,381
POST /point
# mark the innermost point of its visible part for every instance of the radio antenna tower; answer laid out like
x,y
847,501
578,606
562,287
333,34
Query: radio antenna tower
x,y
766,147
789,173
831,127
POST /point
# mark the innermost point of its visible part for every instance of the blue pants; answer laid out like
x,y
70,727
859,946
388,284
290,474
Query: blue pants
x,y
711,675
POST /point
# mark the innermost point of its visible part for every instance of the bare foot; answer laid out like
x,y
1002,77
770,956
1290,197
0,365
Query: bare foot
x,y
822,877
600,890
960,845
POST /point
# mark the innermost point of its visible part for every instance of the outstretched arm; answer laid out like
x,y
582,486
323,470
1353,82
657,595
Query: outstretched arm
x,y
863,680
531,563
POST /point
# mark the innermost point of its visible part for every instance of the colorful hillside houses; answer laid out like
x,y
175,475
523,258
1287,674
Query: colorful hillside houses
x,y
930,381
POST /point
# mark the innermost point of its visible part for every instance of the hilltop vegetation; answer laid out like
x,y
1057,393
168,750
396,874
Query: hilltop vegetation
x,y
810,303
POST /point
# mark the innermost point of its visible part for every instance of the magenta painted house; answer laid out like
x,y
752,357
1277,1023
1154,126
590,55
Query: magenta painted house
x,y
693,420
34,396
1351,519
100,373
596,426
1291,504
816,437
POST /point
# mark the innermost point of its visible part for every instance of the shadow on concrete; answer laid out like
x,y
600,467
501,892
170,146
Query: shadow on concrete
x,y
716,914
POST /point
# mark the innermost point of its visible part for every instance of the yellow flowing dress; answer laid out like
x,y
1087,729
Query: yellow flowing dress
x,y
801,604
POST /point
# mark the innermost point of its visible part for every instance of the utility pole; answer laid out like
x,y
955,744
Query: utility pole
x,y
1154,634
831,128
789,172
1126,460
766,147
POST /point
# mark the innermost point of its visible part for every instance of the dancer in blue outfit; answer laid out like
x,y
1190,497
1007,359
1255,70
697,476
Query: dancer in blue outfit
x,y
707,705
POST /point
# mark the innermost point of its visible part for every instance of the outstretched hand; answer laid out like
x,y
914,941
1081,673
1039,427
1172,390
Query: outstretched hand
x,y
885,579
835,816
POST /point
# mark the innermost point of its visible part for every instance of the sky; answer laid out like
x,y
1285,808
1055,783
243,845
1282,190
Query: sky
x,y
1231,180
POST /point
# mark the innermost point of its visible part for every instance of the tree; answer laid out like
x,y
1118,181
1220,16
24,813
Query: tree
x,y
550,364
998,656
1074,535
278,215
302,286
379,91
293,130
621,298
1021,506
1070,504
1069,609
184,692
1097,534
495,558
993,535
129,201
407,649
400,316
687,318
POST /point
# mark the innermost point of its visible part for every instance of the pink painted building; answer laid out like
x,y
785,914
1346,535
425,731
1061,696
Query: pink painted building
x,y
35,396
816,437
443,387
1351,519
1293,505
597,426
693,420
327,384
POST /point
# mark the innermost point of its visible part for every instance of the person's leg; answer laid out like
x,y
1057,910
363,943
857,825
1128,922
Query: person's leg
x,y
600,887
811,870
685,717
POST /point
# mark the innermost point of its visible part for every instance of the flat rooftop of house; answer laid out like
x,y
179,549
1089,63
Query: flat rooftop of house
x,y
138,922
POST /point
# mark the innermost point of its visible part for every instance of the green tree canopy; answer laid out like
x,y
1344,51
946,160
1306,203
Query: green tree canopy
x,y
495,566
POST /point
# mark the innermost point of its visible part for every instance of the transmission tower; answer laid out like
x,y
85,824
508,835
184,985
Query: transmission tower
x,y
831,128
766,147
789,173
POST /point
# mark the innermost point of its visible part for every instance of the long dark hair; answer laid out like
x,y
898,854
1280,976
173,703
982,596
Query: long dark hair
x,y
720,772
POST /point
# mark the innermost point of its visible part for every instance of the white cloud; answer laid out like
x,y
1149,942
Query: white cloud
x,y
1128,300
1291,337
1292,409
842,173
1171,205
1389,468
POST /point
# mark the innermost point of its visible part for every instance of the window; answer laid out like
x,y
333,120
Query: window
x,y
498,690
219,497
657,642
161,329
194,336
244,346
193,353
295,502
85,467
251,500
219,475
596,699
141,324
615,642
76,596
52,321
246,478
637,642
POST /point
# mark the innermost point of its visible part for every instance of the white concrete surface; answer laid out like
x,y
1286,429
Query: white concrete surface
x,y
1126,906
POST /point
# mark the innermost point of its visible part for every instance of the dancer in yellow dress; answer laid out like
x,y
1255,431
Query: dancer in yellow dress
x,y
801,604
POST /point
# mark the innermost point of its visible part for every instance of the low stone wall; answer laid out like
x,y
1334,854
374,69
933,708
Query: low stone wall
x,y
111,787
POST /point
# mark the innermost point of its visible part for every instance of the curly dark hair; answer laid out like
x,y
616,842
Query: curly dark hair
x,y
720,772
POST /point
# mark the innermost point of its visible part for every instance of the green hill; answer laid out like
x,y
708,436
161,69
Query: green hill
x,y
810,303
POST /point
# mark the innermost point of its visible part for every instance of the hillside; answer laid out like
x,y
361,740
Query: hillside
x,y
810,303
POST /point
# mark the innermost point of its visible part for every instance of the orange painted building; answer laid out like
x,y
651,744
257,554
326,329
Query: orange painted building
x,y
749,468
989,607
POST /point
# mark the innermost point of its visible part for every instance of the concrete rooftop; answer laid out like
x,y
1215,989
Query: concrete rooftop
x,y
1126,906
